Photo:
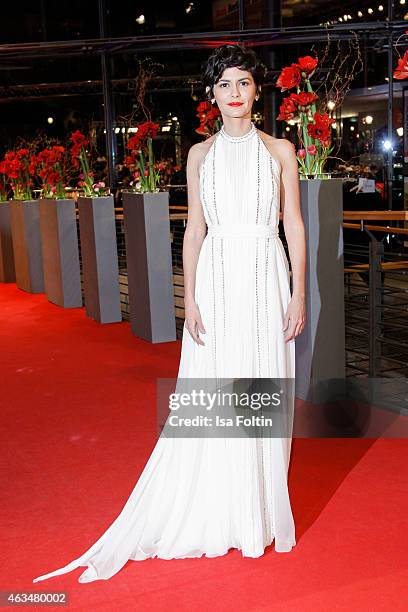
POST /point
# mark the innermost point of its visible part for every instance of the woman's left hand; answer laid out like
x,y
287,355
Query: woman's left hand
x,y
295,317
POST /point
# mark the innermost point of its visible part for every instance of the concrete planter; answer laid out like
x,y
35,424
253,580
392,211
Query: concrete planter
x,y
320,348
7,269
25,230
149,265
59,243
99,258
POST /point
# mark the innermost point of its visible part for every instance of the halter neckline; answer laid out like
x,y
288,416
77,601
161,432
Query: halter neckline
x,y
242,138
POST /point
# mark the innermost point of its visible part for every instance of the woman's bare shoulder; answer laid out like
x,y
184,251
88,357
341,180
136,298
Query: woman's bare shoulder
x,y
199,150
277,144
280,148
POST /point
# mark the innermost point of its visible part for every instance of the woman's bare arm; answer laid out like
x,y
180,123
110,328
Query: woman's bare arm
x,y
295,236
193,238
292,216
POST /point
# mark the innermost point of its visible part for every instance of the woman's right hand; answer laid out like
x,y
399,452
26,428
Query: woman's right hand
x,y
193,321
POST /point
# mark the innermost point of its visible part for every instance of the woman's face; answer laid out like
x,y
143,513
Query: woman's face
x,y
235,92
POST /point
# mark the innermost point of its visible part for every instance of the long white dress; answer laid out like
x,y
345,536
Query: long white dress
x,y
203,496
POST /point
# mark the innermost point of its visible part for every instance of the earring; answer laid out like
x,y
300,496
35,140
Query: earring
x,y
212,101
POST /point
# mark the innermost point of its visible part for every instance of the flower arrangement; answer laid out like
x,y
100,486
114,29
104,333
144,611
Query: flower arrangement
x,y
401,71
210,119
80,161
140,159
20,167
167,169
314,128
51,170
4,182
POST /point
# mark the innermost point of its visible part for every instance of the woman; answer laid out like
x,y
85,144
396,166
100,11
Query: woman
x,y
204,495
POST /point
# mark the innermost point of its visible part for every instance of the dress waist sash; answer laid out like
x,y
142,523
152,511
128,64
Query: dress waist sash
x,y
257,230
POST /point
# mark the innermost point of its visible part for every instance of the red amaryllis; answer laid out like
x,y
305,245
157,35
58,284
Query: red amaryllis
x,y
401,71
288,110
20,167
51,170
320,129
209,117
144,132
80,161
289,78
304,99
140,159
307,65
4,183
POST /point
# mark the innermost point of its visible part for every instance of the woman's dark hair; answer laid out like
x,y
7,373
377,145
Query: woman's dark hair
x,y
231,56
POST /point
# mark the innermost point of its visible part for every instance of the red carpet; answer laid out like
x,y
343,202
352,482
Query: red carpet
x,y
78,425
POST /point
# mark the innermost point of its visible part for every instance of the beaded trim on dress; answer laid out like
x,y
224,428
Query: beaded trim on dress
x,y
242,138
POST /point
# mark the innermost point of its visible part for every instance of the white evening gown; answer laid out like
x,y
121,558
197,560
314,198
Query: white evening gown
x,y
203,496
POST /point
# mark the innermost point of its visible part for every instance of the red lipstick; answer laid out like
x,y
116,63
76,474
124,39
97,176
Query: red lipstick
x,y
235,103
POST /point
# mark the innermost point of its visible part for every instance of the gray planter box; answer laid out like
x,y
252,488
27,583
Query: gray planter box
x,y
25,230
149,265
59,243
320,348
99,258
7,269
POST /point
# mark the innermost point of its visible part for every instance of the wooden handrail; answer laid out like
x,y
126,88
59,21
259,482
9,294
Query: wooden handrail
x,y
375,215
378,228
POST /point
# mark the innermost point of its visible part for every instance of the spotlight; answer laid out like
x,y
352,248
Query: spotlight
x,y
368,119
50,120
330,105
140,20
400,131
387,144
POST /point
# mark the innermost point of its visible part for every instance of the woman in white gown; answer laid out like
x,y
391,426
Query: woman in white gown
x,y
204,495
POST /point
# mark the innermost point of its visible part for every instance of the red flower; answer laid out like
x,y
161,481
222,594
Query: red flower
x,y
307,64
79,140
203,130
320,128
303,99
301,153
144,131
208,115
204,107
311,149
289,77
401,71
288,109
